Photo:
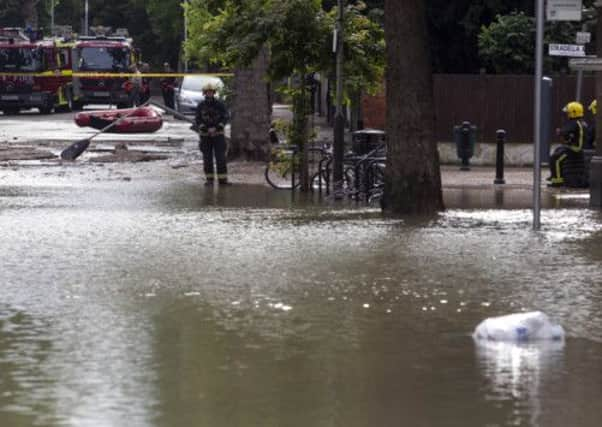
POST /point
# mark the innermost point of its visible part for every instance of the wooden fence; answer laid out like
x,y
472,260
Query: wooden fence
x,y
490,102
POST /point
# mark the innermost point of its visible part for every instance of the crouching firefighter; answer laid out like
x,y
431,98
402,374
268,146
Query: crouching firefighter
x,y
573,133
211,118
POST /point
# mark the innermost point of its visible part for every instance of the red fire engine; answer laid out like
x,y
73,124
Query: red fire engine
x,y
104,54
33,73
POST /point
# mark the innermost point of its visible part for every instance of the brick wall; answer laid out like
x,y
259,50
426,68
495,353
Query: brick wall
x,y
374,111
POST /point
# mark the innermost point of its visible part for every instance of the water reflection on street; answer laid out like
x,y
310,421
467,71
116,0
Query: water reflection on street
x,y
172,305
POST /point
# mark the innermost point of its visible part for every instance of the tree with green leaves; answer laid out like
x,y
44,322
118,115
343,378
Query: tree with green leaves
x,y
454,26
507,45
292,31
166,18
298,35
10,13
20,13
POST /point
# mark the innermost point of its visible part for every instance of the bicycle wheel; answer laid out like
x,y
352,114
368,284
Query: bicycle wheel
x,y
350,182
279,175
320,181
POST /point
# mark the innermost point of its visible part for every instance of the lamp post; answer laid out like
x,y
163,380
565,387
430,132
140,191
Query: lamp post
x,y
539,17
339,119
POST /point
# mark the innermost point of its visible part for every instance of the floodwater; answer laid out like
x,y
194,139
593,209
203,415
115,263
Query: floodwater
x,y
168,304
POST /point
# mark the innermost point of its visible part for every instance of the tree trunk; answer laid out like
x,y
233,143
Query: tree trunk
x,y
30,13
251,111
413,177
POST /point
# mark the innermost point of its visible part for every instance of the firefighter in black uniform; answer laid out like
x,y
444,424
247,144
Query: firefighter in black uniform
x,y
211,118
573,132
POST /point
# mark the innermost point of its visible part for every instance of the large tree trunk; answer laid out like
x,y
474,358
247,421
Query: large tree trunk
x,y
412,178
251,111
30,13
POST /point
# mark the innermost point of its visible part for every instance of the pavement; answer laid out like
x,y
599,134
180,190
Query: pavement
x,y
178,144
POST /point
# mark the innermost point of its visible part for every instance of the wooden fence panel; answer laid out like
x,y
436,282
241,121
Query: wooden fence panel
x,y
490,102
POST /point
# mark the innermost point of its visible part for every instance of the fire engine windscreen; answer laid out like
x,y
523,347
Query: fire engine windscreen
x,y
104,59
20,59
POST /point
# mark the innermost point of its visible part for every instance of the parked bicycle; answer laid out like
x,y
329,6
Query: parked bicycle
x,y
363,175
283,169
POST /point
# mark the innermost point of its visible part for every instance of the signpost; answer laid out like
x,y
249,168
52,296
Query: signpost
x,y
339,119
583,37
539,19
586,64
557,10
595,178
572,50
564,10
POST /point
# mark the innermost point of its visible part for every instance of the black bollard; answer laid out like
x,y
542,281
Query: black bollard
x,y
499,157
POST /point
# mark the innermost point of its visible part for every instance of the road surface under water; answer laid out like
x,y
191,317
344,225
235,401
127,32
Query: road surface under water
x,y
162,303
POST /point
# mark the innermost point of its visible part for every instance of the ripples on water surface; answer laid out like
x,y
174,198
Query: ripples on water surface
x,y
140,305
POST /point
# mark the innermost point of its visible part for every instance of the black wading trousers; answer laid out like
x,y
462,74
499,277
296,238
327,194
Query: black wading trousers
x,y
214,146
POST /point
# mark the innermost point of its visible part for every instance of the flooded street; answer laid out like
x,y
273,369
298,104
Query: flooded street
x,y
133,300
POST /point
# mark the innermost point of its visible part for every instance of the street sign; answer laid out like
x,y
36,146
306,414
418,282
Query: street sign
x,y
564,10
586,64
572,50
583,38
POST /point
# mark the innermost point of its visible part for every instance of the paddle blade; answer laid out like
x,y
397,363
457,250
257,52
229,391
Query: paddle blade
x,y
75,150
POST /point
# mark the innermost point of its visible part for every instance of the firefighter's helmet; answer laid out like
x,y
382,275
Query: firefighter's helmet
x,y
593,107
209,86
573,110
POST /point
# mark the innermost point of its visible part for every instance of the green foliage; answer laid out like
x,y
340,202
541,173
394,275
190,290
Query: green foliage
x,y
226,31
364,50
155,25
507,45
232,38
454,28
10,13
455,25
166,18
298,34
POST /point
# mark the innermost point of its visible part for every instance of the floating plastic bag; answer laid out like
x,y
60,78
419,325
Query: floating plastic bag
x,y
520,327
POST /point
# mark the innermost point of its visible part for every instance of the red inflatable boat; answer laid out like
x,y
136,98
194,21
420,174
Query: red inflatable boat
x,y
138,120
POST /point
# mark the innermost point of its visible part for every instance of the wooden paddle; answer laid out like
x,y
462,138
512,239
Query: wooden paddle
x,y
77,148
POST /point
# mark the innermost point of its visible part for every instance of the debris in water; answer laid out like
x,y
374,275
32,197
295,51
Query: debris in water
x,y
519,327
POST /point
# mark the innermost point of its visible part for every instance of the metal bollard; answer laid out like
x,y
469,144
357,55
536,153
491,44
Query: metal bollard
x,y
499,158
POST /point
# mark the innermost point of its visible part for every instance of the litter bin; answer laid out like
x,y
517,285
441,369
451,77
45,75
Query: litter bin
x,y
366,140
465,136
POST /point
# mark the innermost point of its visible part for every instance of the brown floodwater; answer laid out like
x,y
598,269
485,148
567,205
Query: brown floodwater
x,y
146,303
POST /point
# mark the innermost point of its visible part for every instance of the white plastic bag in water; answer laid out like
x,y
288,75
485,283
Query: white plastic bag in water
x,y
520,327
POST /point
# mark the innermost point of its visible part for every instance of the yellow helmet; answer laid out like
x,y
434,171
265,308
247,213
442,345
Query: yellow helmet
x,y
593,107
574,110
